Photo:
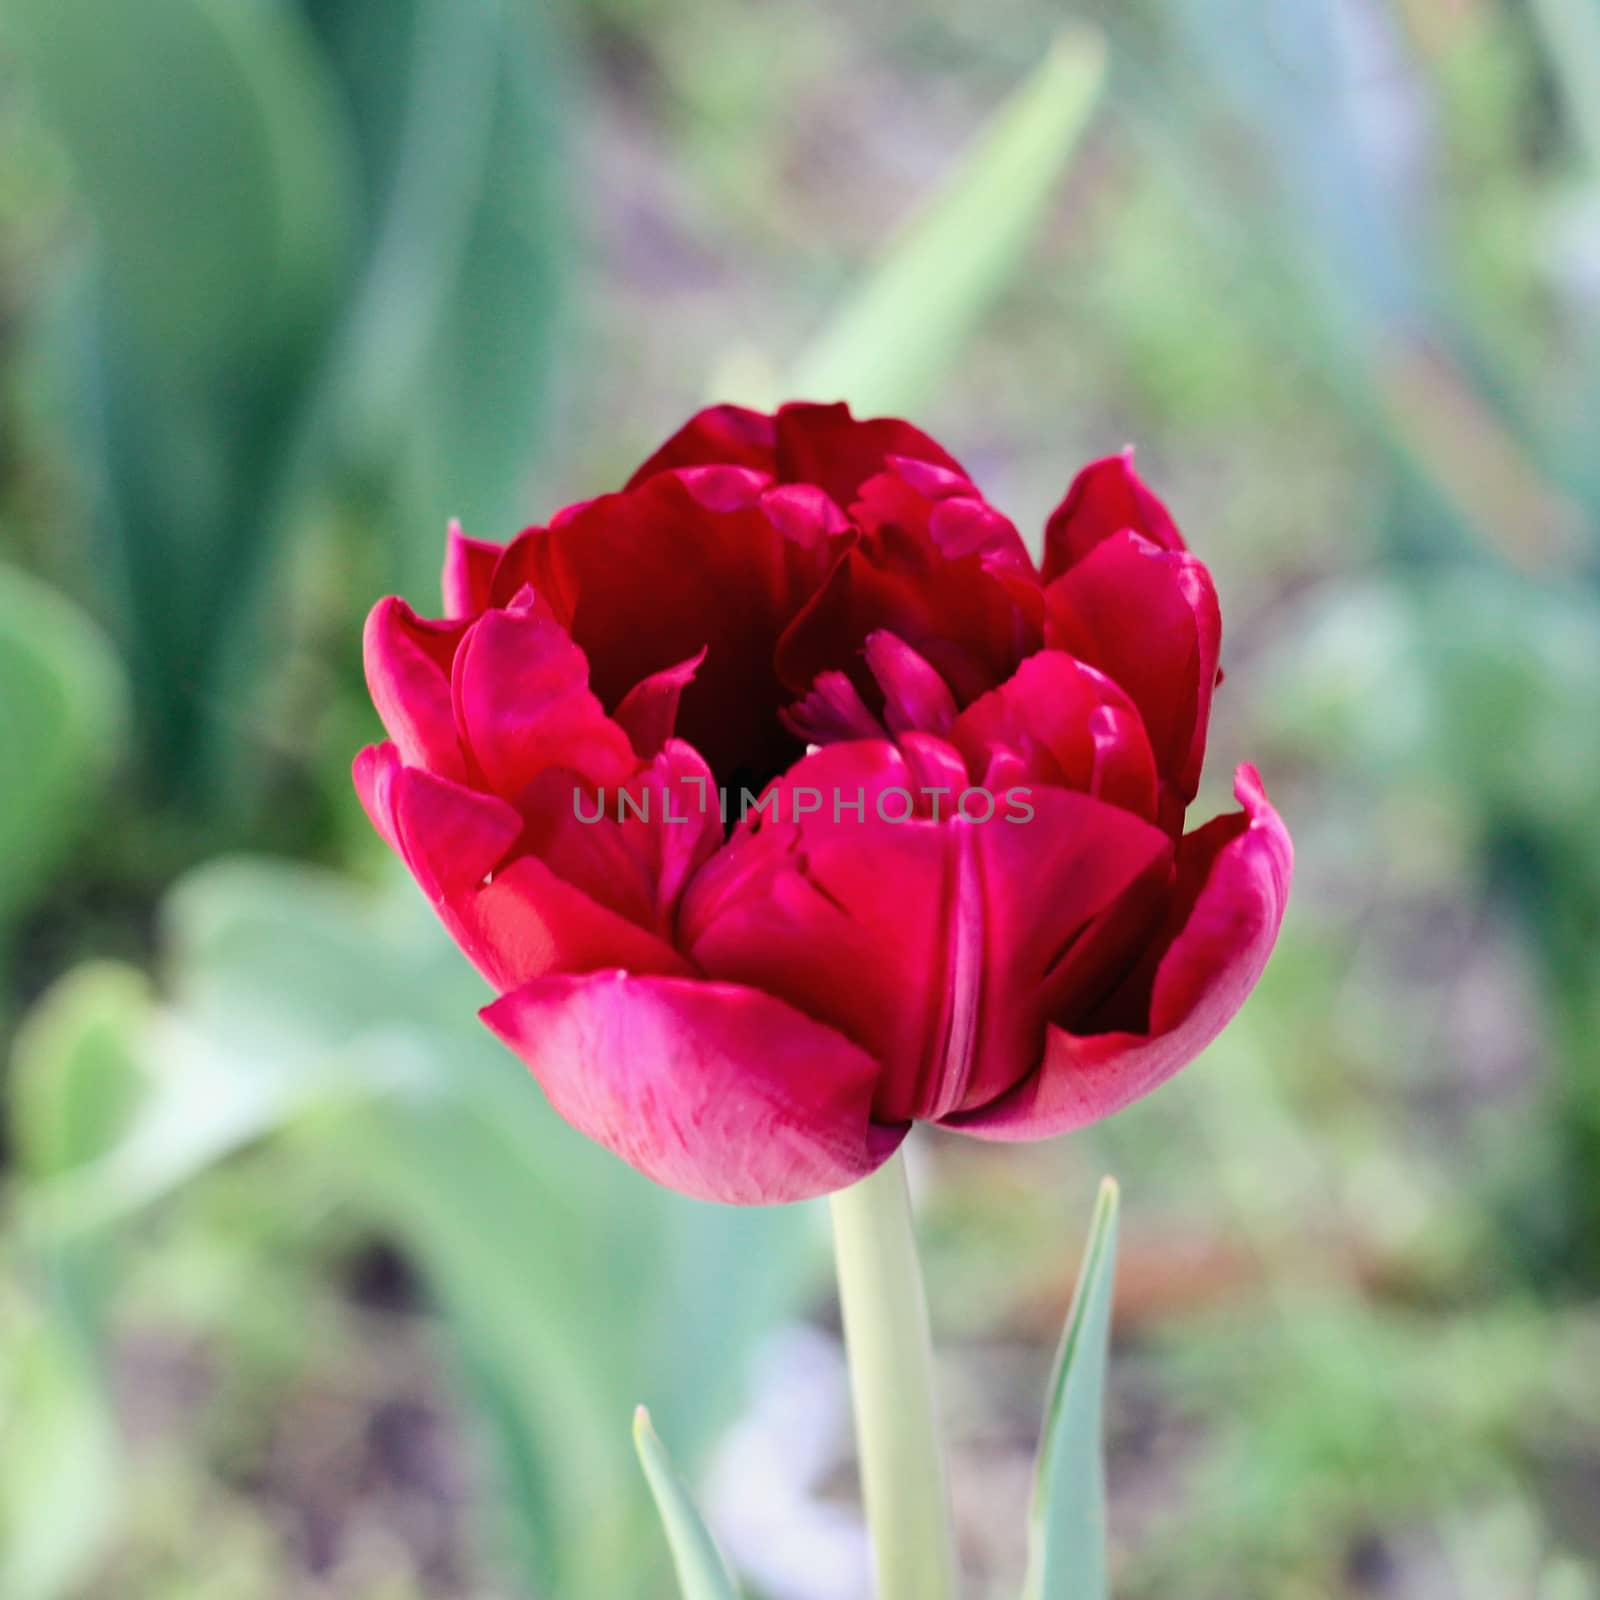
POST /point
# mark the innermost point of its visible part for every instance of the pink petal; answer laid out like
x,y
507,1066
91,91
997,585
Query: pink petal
x,y
649,710
725,488
468,573
1048,885
969,526
527,923
1106,498
915,696
1123,768
373,772
1200,982
832,711
940,775
870,964
523,704
1089,727
450,836
928,943
632,849
717,436
408,663
515,922
714,1090
1148,619
803,514
825,445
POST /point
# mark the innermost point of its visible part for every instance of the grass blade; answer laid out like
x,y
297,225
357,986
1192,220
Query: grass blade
x,y
893,339
702,1573
1067,1525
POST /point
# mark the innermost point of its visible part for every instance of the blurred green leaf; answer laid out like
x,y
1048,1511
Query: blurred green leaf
x,y
1474,685
61,714
887,347
1567,1580
59,1474
1571,30
346,1021
702,1572
76,1071
215,173
76,1078
445,365
201,133
1067,1523
330,246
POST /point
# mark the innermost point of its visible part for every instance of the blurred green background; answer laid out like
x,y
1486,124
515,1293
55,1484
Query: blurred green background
x,y
302,1290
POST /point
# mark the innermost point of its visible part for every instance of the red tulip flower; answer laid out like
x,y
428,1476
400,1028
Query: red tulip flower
x,y
785,802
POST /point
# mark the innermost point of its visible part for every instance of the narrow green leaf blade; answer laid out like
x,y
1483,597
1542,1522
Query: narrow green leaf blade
x,y
893,339
1067,1525
702,1572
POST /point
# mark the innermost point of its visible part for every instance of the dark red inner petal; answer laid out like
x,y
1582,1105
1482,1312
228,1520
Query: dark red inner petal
x,y
649,579
717,436
825,445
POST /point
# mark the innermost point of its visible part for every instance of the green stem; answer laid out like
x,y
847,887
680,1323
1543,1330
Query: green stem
x,y
891,1378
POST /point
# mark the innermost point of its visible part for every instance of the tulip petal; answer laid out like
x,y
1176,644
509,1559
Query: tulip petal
x,y
634,849
468,573
869,962
1105,499
950,574
518,922
724,488
915,697
928,943
1086,724
959,617
649,710
451,837
522,702
650,577
711,1089
717,436
803,514
408,664
373,772
1200,982
1148,619
527,923
827,446
939,775
830,712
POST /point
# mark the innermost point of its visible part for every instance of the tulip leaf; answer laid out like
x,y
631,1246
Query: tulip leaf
x,y
307,1008
1067,1522
217,182
61,705
76,1078
76,1074
888,346
446,361
702,1572
220,218
61,1480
